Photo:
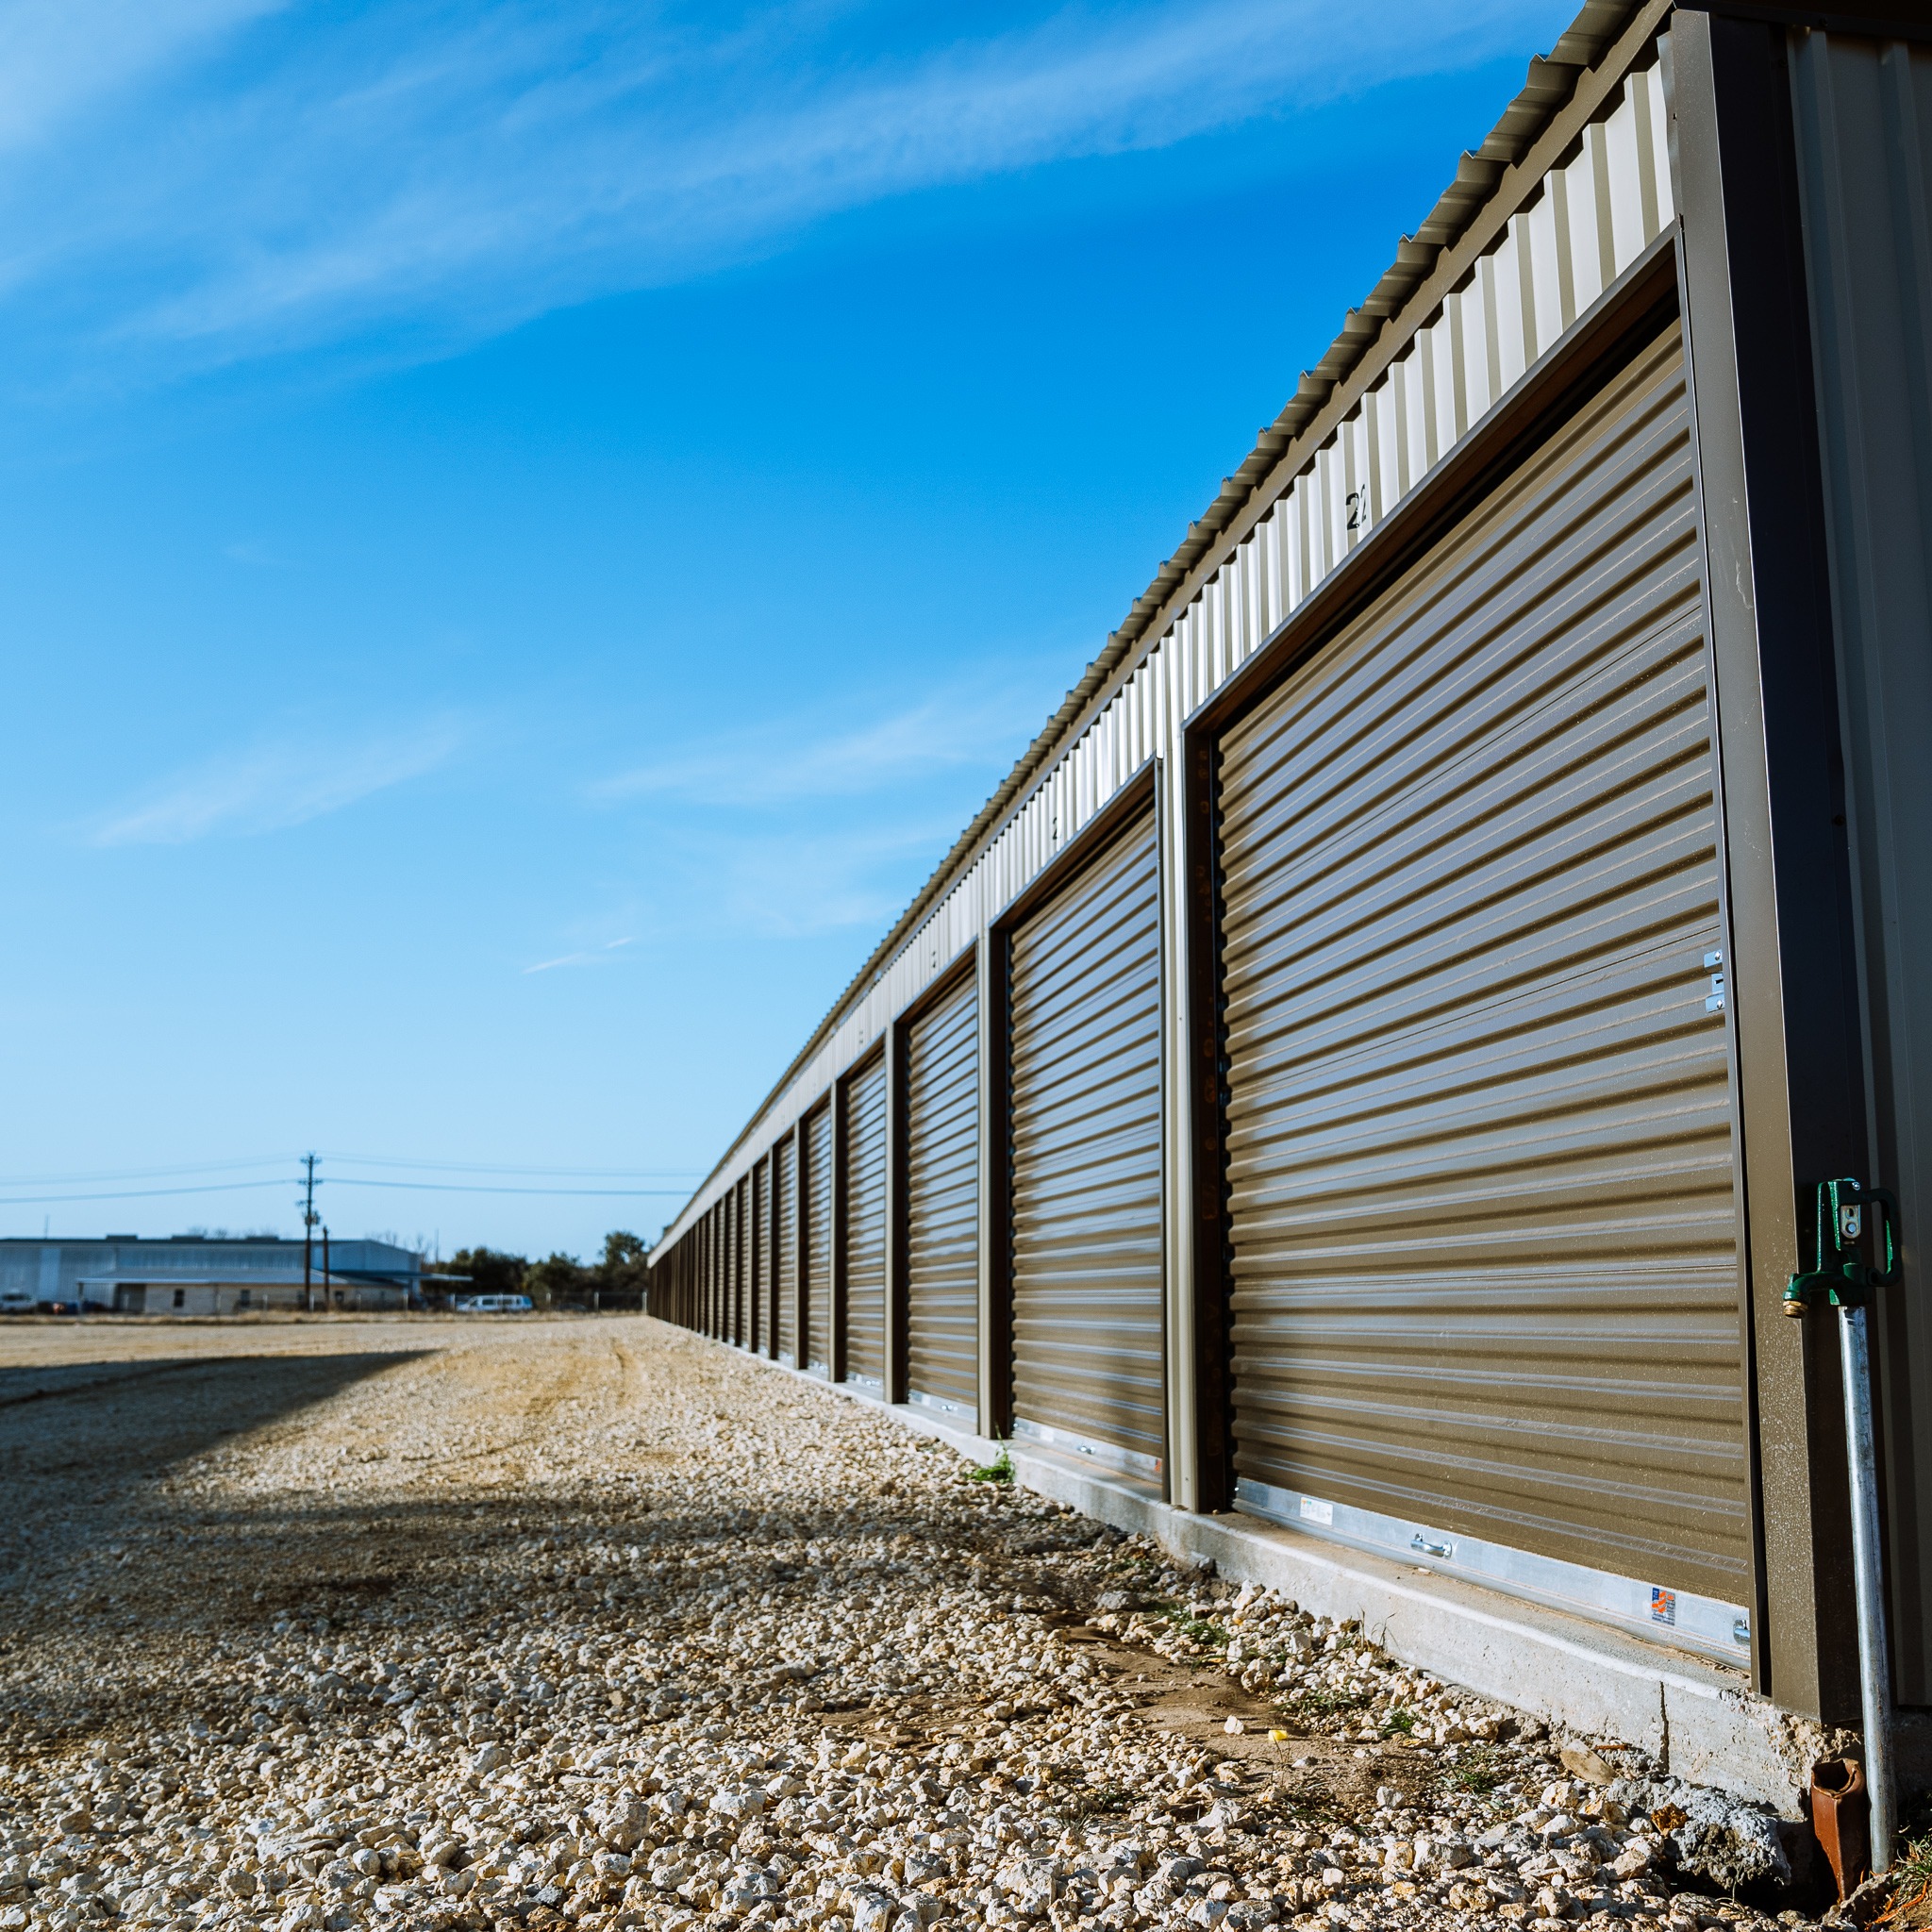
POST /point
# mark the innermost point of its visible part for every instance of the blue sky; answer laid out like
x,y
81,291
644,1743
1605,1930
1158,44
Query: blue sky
x,y
525,531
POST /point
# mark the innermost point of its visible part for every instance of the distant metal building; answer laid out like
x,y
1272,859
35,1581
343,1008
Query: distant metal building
x,y
198,1275
1366,1071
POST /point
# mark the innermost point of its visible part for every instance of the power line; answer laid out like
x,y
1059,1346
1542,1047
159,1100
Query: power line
x,y
608,1174
282,1161
344,1181
471,1188
141,1173
138,1193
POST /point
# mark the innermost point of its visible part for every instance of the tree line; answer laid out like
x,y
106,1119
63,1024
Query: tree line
x,y
558,1281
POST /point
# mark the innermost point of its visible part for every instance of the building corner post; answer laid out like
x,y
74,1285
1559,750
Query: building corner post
x,y
1796,1023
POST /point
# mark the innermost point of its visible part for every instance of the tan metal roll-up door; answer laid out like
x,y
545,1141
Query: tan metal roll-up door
x,y
818,1240
1484,1285
708,1299
761,1256
865,1225
1084,1019
741,1195
785,1220
942,1205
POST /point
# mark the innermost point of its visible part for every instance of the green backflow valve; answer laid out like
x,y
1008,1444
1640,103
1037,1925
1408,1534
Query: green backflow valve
x,y
1841,1277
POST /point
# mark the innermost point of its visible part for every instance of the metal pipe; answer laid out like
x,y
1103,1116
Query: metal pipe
x,y
1874,1664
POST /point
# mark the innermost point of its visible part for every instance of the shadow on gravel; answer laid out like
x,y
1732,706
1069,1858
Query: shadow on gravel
x,y
187,1402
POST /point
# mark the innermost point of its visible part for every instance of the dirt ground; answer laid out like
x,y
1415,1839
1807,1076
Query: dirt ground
x,y
332,1621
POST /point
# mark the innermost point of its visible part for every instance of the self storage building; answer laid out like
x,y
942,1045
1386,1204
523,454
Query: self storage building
x,y
1354,1097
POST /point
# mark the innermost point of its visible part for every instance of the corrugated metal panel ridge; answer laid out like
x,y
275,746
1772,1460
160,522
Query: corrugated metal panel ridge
x,y
865,1224
1587,221
1085,1127
1480,1141
942,1200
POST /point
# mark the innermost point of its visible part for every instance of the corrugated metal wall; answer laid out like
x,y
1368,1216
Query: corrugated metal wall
x,y
785,1240
865,1225
1585,222
1084,1023
1864,136
817,1133
1479,1119
943,1204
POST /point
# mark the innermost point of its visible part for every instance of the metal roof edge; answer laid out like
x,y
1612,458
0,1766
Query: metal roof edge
x,y
1553,82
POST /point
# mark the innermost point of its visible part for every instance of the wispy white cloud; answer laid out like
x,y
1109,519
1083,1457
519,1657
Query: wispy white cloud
x,y
784,762
795,885
599,956
275,785
449,170
61,60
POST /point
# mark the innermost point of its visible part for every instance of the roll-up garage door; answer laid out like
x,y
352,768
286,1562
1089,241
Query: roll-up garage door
x,y
719,1257
741,1197
865,1225
785,1233
1485,1287
817,1133
942,1205
707,1308
1085,1082
761,1256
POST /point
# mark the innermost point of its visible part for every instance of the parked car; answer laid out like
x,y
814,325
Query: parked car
x,y
16,1301
493,1305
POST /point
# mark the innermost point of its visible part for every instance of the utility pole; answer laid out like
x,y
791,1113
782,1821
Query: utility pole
x,y
309,1218
328,1298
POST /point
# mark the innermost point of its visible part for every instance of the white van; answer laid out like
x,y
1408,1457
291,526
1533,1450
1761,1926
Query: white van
x,y
15,1301
493,1305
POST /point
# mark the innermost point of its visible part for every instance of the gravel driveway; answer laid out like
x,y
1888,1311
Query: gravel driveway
x,y
340,1622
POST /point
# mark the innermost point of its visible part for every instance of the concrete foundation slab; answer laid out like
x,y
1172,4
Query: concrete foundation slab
x,y
1697,1720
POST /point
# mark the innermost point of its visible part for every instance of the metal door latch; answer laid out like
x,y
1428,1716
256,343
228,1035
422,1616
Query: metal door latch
x,y
1841,1276
1714,1000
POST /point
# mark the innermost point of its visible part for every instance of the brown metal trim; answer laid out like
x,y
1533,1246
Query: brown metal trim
x,y
1792,974
1760,1600
1884,24
1206,1047
996,1176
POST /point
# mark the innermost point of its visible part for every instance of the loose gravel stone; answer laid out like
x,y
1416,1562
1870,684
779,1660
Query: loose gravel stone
x,y
331,1624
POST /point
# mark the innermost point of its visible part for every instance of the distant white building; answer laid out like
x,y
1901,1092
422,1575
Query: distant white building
x,y
202,1274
